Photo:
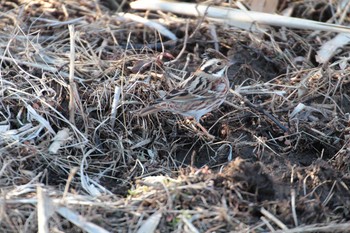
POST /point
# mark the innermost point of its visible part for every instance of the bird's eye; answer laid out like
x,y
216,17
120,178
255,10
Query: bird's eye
x,y
219,63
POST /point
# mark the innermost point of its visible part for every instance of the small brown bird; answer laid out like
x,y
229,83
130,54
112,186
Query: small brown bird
x,y
205,90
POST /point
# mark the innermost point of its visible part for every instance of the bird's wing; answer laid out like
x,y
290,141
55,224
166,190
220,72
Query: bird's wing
x,y
184,96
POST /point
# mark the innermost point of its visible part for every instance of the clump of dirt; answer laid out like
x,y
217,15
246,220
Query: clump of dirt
x,y
248,178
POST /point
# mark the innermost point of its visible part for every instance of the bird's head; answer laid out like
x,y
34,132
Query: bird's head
x,y
216,67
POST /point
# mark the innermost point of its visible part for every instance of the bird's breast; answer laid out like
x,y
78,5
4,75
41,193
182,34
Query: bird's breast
x,y
220,86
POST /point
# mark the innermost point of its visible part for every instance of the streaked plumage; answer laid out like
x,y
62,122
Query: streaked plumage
x,y
204,91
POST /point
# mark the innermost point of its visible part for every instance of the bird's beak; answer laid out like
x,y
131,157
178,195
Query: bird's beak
x,y
232,62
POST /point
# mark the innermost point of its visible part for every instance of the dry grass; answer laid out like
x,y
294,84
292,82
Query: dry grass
x,y
75,156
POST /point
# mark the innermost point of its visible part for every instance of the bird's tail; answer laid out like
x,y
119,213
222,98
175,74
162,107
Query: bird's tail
x,y
148,110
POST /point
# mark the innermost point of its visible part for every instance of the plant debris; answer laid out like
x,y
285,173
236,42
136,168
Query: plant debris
x,y
76,156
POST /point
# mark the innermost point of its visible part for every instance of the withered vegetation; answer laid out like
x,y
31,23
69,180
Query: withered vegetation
x,y
73,76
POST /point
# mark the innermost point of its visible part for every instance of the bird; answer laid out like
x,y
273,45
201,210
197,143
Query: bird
x,y
204,91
